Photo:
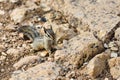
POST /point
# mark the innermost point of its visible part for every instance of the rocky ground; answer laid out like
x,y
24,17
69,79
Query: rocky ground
x,y
87,35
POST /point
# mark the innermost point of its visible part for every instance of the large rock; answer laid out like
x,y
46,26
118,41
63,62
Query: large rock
x,y
44,71
114,65
79,49
96,65
100,15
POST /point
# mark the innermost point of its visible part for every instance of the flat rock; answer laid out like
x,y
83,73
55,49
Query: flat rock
x,y
114,65
44,71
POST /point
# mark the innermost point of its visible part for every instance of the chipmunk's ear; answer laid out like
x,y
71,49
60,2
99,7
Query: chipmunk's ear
x,y
44,29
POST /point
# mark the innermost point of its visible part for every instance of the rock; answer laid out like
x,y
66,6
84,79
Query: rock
x,y
43,71
3,0
59,55
43,53
3,53
90,13
106,79
45,5
2,12
106,45
118,78
4,38
14,1
16,52
96,65
30,4
18,14
114,54
10,27
25,61
114,65
113,46
2,58
79,49
2,70
64,33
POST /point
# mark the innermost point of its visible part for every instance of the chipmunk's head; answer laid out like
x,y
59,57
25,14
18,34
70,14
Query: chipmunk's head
x,y
49,33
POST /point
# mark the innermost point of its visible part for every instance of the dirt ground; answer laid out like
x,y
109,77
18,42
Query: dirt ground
x,y
73,39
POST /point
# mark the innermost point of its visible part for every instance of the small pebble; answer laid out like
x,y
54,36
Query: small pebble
x,y
111,44
44,53
105,45
114,48
2,70
2,12
72,79
2,58
14,1
106,79
4,54
17,72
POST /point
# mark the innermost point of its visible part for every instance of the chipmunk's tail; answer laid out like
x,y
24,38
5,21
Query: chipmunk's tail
x,y
29,31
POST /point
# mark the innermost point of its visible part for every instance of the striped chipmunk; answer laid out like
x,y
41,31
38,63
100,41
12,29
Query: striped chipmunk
x,y
46,41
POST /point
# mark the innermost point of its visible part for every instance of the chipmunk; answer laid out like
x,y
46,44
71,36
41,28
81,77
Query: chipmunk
x,y
39,41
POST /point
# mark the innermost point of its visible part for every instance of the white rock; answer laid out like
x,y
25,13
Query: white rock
x,y
2,70
43,71
2,12
106,79
3,0
4,54
105,45
18,14
44,53
114,54
14,1
45,7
